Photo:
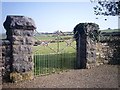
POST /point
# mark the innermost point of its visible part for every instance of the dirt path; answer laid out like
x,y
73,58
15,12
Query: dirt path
x,y
104,76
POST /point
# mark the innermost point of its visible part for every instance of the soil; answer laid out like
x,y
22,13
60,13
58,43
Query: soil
x,y
104,76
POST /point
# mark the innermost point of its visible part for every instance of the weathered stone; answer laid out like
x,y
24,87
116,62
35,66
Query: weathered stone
x,y
27,33
20,32
86,36
22,40
18,40
18,51
20,57
19,22
17,32
22,66
29,41
7,67
108,52
1,63
5,43
30,58
23,49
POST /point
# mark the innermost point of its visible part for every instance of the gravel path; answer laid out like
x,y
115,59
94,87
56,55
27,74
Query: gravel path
x,y
104,76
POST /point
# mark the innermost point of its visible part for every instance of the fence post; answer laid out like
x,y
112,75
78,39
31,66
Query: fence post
x,y
84,33
19,30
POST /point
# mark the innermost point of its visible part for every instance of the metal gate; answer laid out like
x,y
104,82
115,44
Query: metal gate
x,y
53,52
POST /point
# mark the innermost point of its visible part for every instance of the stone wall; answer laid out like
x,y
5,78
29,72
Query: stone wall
x,y
86,37
6,54
108,53
16,57
19,31
1,65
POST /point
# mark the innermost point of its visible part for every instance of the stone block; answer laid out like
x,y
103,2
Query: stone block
x,y
0,48
22,66
30,58
7,60
20,57
22,32
0,55
7,68
22,63
29,41
18,40
28,33
22,49
19,22
17,32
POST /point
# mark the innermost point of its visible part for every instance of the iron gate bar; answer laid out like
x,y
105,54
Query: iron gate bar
x,y
64,41
47,46
58,41
54,62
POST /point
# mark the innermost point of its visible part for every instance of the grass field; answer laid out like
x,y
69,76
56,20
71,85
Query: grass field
x,y
60,47
52,37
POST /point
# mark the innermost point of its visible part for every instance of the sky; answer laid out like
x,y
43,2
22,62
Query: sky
x,y
53,16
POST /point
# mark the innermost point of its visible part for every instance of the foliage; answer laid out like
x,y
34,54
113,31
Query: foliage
x,y
107,8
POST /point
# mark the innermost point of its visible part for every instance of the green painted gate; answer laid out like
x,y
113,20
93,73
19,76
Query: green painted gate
x,y
53,52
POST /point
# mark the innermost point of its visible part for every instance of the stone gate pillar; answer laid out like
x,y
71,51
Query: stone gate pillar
x,y
19,30
86,36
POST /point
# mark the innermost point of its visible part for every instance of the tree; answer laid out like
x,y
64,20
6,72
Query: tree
x,y
107,7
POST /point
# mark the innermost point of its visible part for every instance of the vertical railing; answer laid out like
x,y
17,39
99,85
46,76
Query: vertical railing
x,y
51,63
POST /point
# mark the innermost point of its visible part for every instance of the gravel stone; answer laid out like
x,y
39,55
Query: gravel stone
x,y
104,76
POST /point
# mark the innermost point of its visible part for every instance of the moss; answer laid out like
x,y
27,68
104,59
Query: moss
x,y
27,76
15,77
18,77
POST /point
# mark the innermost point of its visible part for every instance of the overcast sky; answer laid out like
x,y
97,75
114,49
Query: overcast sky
x,y
53,16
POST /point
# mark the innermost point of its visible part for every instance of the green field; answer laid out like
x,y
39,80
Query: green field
x,y
52,37
59,47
